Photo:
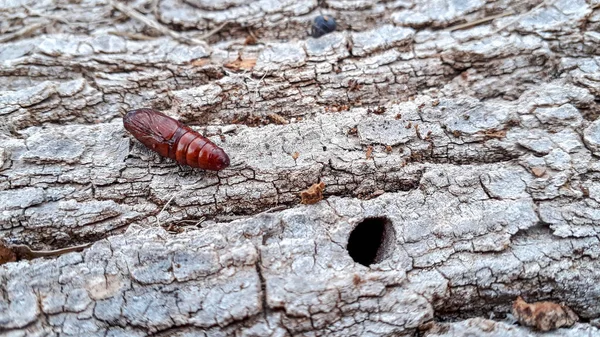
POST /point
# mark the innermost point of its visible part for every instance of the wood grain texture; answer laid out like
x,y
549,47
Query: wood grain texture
x,y
478,146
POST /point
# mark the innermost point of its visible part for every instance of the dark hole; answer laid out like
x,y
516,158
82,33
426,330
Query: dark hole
x,y
371,241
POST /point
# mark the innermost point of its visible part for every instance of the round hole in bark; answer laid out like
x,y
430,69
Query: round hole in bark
x,y
371,241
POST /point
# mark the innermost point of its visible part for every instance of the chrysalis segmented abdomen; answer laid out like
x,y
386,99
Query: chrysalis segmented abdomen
x,y
173,139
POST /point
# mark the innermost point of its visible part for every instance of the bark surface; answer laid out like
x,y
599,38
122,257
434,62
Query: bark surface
x,y
475,148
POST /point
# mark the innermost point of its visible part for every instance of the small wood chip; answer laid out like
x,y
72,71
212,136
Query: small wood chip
x,y
380,110
543,316
277,119
313,194
239,64
418,132
495,134
200,62
369,153
538,171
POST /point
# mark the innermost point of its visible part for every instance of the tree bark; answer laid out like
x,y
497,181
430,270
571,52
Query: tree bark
x,y
472,148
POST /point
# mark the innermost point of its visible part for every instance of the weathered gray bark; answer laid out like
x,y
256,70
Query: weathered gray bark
x,y
485,163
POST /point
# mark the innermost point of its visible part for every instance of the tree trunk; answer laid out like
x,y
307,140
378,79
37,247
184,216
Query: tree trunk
x,y
460,164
